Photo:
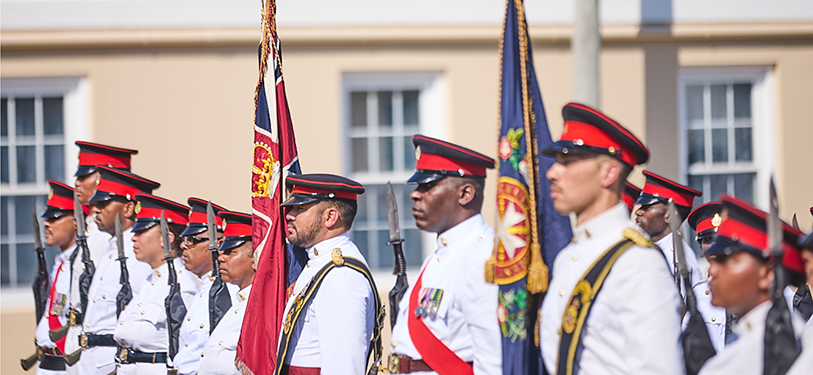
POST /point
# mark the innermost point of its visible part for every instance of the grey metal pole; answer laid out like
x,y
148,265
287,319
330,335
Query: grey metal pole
x,y
586,46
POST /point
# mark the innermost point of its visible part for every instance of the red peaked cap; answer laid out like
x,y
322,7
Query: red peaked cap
x,y
60,201
198,219
114,182
238,229
588,130
435,159
705,219
660,189
93,154
745,229
148,211
309,188
631,193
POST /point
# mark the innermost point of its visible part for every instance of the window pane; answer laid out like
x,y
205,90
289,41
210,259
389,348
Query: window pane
x,y
52,116
4,210
718,101
4,117
26,164
25,116
358,109
742,100
412,247
359,150
22,214
697,146
385,108
696,183
385,254
361,215
719,145
26,263
744,186
409,154
411,107
742,139
379,193
385,154
54,162
694,102
4,165
719,185
361,241
5,259
405,205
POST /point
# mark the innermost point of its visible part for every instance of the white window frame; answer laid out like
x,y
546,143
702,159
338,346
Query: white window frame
x,y
762,117
74,92
432,118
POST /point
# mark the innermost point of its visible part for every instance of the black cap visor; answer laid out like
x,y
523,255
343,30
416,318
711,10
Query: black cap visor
x,y
724,246
233,241
144,224
84,170
570,147
51,212
101,196
194,228
297,199
807,243
708,233
647,199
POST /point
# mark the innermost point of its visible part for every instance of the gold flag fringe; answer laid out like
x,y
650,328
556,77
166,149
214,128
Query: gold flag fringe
x,y
537,271
242,366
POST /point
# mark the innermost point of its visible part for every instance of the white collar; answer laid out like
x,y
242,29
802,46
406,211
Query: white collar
x,y
325,247
614,219
461,230
753,319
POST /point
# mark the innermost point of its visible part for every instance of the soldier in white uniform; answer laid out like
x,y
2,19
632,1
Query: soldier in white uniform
x,y
610,270
447,320
142,330
804,363
741,275
652,216
60,231
237,268
330,318
115,196
87,178
197,260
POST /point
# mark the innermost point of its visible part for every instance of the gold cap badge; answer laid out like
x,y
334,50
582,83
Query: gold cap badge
x,y
138,207
716,220
418,153
51,194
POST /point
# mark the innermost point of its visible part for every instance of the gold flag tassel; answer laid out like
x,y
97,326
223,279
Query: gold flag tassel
x,y
537,271
490,268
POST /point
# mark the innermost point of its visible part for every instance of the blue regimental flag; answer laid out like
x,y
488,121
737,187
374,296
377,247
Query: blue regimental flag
x,y
529,230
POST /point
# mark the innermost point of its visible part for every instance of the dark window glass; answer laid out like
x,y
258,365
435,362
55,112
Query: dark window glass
x,y
26,164
718,101
384,255
360,238
26,263
697,146
744,186
385,108
742,139
742,100
411,107
358,109
409,154
4,215
54,162
25,116
719,185
385,154
359,150
52,114
696,182
4,172
25,204
5,260
719,145
4,117
694,102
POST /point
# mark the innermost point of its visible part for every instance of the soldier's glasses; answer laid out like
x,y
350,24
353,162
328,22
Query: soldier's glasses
x,y
192,241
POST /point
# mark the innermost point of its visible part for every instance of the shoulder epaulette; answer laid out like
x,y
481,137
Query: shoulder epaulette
x,y
638,238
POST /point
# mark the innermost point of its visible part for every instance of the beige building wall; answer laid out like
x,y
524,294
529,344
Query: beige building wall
x,y
186,100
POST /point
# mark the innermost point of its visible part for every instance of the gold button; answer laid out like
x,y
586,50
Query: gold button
x,y
201,295
309,265
201,355
94,300
394,344
559,331
707,292
575,257
158,273
315,252
443,241
201,326
142,312
189,319
186,345
83,268
562,292
152,282
714,319
104,296
438,258
121,323
242,298
479,238
110,256
101,277
220,343
139,303
236,311
179,272
87,324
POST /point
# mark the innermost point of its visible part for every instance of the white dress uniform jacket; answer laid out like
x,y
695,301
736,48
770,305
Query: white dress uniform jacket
x,y
98,243
62,285
220,349
100,318
466,321
142,325
804,363
195,328
744,356
334,330
634,324
713,316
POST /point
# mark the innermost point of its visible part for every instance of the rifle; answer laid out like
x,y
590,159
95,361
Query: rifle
x,y
697,346
781,348
84,279
219,298
176,310
399,267
41,285
126,293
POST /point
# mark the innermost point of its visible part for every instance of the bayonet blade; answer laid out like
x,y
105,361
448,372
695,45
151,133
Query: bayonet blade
x,y
774,224
210,215
119,238
37,239
392,215
165,236
79,216
795,222
677,238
